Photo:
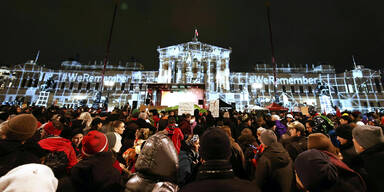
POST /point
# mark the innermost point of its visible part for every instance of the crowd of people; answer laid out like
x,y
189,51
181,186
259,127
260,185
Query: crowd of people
x,y
85,149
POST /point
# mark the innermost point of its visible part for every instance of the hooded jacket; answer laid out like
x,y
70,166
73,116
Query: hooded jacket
x,y
322,171
156,166
96,173
60,144
274,169
369,164
217,175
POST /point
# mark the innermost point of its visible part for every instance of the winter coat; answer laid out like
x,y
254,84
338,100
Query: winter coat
x,y
217,175
14,154
156,167
188,164
280,128
176,136
60,144
274,169
96,173
322,171
238,161
295,145
369,164
185,127
349,153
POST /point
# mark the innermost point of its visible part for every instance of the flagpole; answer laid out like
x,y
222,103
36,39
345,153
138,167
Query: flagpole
x,y
268,4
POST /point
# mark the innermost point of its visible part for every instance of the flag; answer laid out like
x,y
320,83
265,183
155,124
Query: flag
x,y
196,33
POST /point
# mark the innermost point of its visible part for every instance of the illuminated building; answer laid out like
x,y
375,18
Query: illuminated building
x,y
186,69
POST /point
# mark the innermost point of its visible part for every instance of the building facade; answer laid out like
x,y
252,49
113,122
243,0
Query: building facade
x,y
194,65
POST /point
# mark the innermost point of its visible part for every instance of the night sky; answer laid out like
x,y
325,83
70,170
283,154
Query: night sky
x,y
326,31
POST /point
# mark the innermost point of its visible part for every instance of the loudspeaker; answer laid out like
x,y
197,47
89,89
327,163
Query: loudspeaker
x,y
201,102
134,104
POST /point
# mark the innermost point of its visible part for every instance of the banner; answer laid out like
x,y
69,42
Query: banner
x,y
185,108
214,108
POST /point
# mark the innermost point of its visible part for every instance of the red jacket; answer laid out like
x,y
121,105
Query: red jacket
x,y
175,135
60,144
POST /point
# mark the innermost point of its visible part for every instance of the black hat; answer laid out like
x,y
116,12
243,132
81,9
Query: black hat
x,y
345,132
215,145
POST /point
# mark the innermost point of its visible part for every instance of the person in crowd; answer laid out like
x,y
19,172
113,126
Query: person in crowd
x,y
174,133
131,154
114,135
216,173
323,171
279,128
55,141
96,172
227,120
156,167
309,124
344,136
322,142
297,142
345,119
13,151
246,138
163,122
289,118
274,167
141,121
96,124
250,148
246,122
369,145
29,177
185,125
77,137
237,157
189,160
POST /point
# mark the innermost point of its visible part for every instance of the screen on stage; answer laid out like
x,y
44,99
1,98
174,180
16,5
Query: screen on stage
x,y
172,98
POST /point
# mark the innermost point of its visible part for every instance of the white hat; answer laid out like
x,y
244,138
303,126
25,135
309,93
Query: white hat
x,y
290,116
29,177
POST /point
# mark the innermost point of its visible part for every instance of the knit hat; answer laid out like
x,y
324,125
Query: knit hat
x,y
268,137
29,177
215,145
345,132
20,127
94,142
368,136
321,142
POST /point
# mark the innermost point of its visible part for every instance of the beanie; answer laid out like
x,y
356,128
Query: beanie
x,y
215,145
345,132
94,142
368,136
321,142
268,137
20,127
